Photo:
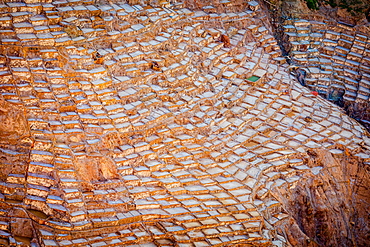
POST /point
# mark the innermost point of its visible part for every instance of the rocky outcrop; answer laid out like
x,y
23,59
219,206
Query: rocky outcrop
x,y
15,147
330,208
13,123
95,168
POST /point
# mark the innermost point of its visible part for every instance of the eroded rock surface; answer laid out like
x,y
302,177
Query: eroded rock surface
x,y
329,208
13,124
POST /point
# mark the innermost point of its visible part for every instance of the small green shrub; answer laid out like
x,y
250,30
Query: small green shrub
x,y
312,4
332,3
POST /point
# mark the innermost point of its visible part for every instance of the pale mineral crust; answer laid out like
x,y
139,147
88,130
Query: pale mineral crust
x,y
155,123
335,57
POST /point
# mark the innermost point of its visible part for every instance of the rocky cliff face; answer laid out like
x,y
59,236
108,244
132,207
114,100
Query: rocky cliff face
x,y
15,146
330,208
13,123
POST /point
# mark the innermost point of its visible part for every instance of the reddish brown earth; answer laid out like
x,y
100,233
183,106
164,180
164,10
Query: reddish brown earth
x,y
331,208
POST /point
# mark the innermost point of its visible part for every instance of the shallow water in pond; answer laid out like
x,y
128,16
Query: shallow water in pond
x,y
253,78
38,213
24,240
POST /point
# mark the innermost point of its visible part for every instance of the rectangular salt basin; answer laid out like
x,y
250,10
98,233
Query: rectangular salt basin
x,y
253,78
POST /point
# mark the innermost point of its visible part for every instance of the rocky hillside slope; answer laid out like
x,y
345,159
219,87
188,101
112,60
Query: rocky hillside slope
x,y
155,123
328,49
